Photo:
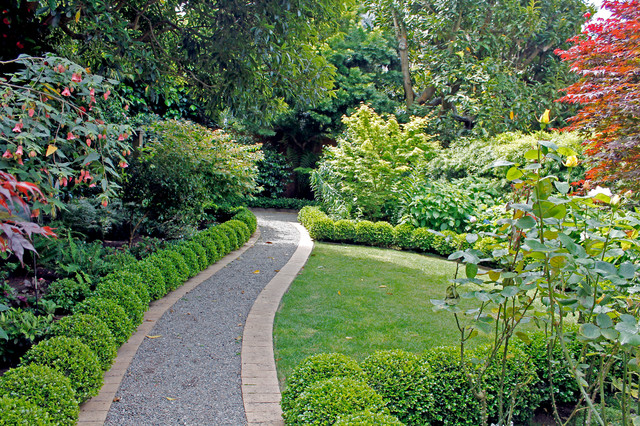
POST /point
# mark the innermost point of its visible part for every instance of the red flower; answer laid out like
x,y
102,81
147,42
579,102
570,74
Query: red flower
x,y
66,92
106,94
76,77
18,128
70,136
7,154
19,150
31,112
20,45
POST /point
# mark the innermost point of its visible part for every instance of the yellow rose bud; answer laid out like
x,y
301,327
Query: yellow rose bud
x,y
544,118
572,161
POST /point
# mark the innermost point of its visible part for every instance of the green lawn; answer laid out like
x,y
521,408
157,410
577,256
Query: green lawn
x,y
356,300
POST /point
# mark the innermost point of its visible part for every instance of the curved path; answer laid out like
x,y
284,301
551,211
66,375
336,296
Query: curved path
x,y
204,354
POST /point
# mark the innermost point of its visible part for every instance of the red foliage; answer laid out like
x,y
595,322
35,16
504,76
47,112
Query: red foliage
x,y
606,56
16,227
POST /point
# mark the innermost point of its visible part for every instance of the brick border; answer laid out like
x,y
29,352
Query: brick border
x,y
94,411
260,389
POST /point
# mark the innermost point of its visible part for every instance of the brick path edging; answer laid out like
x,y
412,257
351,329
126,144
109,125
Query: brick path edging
x,y
94,411
260,389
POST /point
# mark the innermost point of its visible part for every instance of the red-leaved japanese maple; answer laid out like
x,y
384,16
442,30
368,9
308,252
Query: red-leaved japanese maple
x,y
606,56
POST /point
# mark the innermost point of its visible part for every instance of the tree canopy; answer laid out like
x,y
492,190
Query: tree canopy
x,y
605,57
235,55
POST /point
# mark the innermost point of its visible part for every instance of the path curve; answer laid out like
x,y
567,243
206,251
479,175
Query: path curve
x,y
183,365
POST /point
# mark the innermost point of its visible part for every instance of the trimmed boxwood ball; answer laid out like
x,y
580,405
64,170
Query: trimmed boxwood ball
x,y
403,382
318,367
403,235
201,254
134,280
246,216
423,239
344,230
20,412
327,400
454,402
93,332
232,234
72,358
210,247
322,229
365,232
180,263
111,313
221,238
45,387
241,229
190,258
167,269
383,234
124,295
367,418
151,277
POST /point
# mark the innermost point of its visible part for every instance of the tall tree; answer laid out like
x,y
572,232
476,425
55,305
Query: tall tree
x,y
606,57
244,56
489,66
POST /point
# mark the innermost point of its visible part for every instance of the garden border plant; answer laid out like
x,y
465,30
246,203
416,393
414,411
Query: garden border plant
x,y
83,360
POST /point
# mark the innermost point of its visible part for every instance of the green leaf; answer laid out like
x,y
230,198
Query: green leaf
x,y
566,151
629,339
514,173
484,327
471,270
562,187
524,337
526,222
501,163
532,154
510,291
627,270
604,321
590,331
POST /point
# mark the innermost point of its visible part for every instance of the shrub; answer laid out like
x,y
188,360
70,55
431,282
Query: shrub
x,y
167,270
321,229
454,402
445,243
318,367
232,235
403,235
279,203
326,400
133,279
245,215
222,239
383,234
365,232
367,418
111,313
201,254
177,263
403,382
519,376
190,258
72,358
93,332
67,292
120,260
124,295
344,230
565,388
46,388
241,229
151,277
210,247
23,329
19,411
423,239
486,245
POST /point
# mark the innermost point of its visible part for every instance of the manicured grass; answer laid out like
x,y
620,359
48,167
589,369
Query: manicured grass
x,y
356,300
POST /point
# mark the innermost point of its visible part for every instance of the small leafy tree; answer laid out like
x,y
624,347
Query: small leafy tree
x,y
605,57
53,131
360,175
562,260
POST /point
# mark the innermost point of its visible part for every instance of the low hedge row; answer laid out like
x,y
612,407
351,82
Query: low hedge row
x,y
279,203
382,234
64,370
395,387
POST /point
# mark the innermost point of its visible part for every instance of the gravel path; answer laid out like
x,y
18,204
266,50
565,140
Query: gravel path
x,y
190,374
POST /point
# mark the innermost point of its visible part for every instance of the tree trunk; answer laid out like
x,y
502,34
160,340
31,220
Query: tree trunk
x,y
401,36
